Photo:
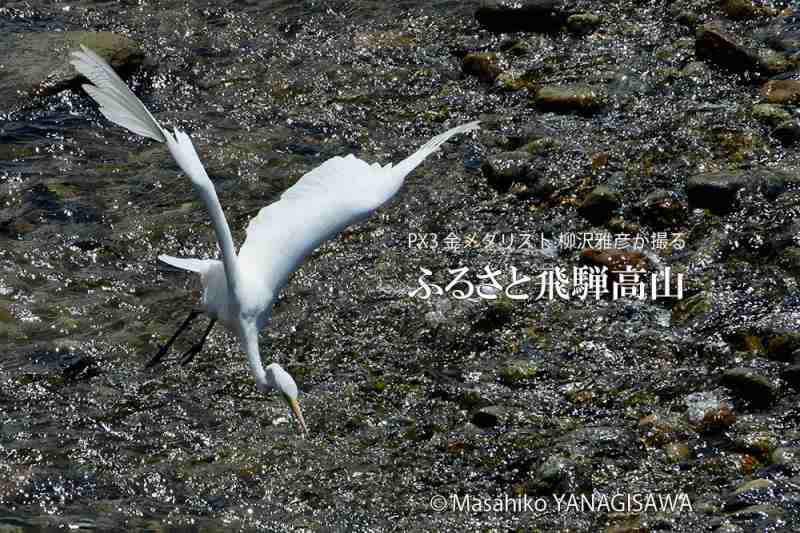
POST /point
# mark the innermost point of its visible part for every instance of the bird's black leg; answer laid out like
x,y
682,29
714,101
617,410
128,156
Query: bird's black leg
x,y
164,349
194,350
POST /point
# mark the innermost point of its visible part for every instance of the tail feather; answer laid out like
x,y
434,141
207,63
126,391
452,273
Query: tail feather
x,y
411,162
200,266
117,103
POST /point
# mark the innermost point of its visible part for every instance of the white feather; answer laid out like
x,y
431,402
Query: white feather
x,y
240,290
340,192
201,266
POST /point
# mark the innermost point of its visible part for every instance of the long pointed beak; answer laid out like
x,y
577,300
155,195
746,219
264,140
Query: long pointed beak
x,y
298,414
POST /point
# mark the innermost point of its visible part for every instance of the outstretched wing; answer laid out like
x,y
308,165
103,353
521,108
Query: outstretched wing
x,y
340,192
119,105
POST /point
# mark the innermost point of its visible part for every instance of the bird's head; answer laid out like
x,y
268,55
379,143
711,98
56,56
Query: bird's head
x,y
287,388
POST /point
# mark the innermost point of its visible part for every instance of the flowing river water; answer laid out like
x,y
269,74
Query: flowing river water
x,y
600,119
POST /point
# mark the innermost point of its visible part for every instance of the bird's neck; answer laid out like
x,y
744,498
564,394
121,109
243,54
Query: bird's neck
x,y
225,239
249,340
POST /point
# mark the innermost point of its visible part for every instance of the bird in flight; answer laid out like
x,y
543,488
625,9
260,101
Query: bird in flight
x,y
239,290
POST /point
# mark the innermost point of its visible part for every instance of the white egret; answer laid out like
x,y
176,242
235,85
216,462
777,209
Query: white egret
x,y
240,290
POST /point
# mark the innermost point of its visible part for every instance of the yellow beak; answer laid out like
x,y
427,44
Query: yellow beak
x,y
298,414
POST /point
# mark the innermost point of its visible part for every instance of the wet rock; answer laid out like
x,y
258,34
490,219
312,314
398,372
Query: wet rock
x,y
472,400
663,209
714,44
606,442
781,344
787,458
692,308
599,205
517,48
512,81
658,429
774,63
755,492
503,16
420,432
789,260
776,182
783,34
774,341
37,63
788,132
685,17
495,315
763,517
709,411
782,238
792,376
614,259
518,372
10,152
716,191
560,475
75,366
489,417
583,99
504,169
532,132
482,65
740,9
677,452
718,46
541,147
770,114
583,23
750,386
781,91
695,70
755,435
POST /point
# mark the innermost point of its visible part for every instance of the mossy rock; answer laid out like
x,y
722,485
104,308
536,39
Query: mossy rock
x,y
9,152
583,99
518,372
692,307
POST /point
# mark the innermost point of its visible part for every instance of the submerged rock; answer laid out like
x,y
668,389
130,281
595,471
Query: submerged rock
x,y
716,191
483,65
489,416
709,411
770,114
788,458
504,16
583,23
614,259
599,205
518,372
753,492
750,386
664,209
782,91
713,43
559,474
582,99
787,132
506,168
741,9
